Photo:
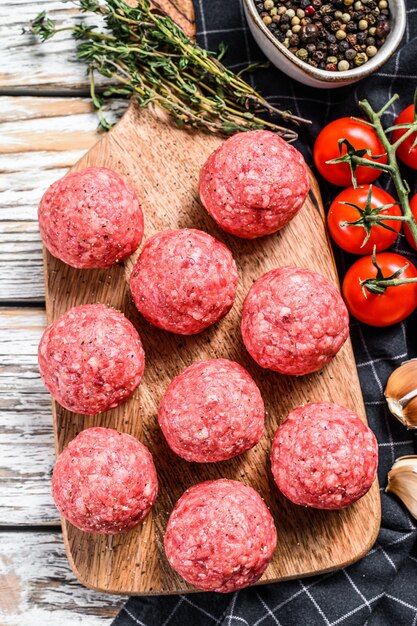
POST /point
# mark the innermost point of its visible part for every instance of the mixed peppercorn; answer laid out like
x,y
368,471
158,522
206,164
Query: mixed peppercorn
x,y
333,35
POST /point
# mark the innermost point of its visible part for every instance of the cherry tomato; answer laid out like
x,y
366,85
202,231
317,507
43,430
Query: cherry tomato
x,y
351,238
404,152
407,231
327,148
385,309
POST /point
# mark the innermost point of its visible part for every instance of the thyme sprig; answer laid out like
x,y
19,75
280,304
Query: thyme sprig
x,y
146,55
355,158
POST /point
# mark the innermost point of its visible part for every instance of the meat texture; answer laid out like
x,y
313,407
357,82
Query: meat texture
x,y
104,481
91,218
91,359
324,456
254,184
294,321
220,536
184,281
212,411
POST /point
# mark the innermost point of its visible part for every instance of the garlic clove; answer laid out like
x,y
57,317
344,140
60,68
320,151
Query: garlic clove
x,y
402,482
401,393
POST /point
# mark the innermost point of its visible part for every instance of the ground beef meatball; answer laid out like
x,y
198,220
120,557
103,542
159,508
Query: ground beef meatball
x,y
254,184
220,536
294,321
212,411
91,218
104,481
91,359
324,456
184,281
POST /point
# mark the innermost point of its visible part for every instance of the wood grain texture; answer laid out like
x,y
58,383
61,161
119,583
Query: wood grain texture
x,y
26,433
163,162
53,66
31,158
38,588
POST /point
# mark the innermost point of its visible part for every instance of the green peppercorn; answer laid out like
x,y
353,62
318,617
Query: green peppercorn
x,y
331,60
340,34
302,54
345,18
290,13
360,58
300,13
268,5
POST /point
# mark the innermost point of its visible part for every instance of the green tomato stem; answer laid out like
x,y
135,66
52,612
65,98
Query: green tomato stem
x,y
392,165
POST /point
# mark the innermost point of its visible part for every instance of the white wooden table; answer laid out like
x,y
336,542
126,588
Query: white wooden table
x,y
46,124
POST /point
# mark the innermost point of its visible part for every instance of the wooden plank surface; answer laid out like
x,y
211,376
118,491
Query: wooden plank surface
x,y
37,587
26,434
147,149
40,139
53,66
27,64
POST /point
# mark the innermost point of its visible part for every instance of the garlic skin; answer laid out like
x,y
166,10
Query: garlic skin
x,y
402,482
401,393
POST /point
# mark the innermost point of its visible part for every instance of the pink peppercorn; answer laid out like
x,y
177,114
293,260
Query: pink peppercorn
x,y
310,10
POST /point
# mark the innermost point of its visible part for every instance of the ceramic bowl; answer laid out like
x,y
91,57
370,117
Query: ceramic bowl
x,y
288,63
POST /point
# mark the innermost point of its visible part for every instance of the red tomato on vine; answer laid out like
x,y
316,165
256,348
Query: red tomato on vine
x,y
381,291
361,136
406,152
353,219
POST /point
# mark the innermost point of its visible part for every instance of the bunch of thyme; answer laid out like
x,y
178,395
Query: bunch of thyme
x,y
146,55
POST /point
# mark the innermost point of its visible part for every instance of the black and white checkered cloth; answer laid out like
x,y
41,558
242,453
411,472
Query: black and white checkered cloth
x,y
381,589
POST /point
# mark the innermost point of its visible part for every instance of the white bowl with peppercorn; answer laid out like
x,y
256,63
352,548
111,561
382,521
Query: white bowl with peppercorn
x,y
327,43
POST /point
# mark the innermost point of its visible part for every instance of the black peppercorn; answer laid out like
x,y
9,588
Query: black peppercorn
x,y
309,32
383,29
318,56
331,34
350,54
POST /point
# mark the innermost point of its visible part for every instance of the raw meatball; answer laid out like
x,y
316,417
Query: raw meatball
x,y
254,184
104,481
212,411
91,359
91,218
324,456
294,321
220,536
184,281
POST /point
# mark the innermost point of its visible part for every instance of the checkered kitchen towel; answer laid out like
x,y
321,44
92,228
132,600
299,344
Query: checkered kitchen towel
x,y
381,589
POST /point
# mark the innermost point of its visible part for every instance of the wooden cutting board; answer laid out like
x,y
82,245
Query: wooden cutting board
x,y
162,162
